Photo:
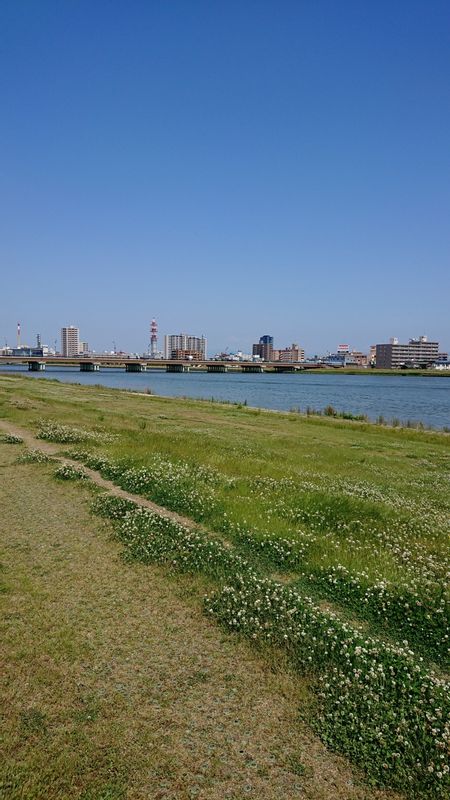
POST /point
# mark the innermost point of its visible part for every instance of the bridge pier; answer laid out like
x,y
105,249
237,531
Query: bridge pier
x,y
217,368
177,368
36,366
252,368
89,366
135,367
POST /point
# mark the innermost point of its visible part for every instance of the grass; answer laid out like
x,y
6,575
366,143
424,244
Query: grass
x,y
353,515
373,501
114,685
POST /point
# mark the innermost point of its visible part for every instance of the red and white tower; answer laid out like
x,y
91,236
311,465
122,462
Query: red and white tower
x,y
153,339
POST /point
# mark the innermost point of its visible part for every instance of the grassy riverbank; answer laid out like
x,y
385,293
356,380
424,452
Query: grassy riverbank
x,y
346,520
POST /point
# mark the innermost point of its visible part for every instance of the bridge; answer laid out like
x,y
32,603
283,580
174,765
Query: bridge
x,y
95,363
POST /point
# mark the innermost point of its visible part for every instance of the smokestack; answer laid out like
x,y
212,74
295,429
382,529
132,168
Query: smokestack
x,y
18,334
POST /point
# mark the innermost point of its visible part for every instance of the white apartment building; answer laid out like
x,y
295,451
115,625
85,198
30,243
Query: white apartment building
x,y
184,341
395,355
70,341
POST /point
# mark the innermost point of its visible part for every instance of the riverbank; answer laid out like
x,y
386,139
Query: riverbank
x,y
427,373
418,400
343,525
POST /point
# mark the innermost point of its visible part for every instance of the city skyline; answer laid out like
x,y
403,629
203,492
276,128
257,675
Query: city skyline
x,y
232,170
161,346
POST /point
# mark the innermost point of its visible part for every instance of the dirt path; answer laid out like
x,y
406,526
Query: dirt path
x,y
53,449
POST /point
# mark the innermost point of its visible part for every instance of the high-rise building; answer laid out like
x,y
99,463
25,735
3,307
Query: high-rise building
x,y
186,342
264,348
416,353
70,341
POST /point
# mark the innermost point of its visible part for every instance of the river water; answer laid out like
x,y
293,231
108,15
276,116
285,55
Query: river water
x,y
415,398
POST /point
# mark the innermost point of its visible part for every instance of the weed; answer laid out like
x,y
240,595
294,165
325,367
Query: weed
x,y
67,472
10,438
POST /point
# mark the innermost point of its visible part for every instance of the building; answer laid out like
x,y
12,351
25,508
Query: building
x,y
442,365
70,341
346,356
187,355
359,358
264,348
292,354
238,356
184,342
340,359
417,353
24,350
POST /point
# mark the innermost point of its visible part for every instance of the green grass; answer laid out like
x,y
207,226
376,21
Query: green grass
x,y
352,514
376,500
115,687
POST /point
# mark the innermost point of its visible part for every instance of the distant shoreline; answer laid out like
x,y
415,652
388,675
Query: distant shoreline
x,y
413,373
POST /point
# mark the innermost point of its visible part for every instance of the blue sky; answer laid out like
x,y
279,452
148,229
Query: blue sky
x,y
232,168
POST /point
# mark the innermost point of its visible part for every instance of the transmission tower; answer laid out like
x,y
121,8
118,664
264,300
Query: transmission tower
x,y
153,339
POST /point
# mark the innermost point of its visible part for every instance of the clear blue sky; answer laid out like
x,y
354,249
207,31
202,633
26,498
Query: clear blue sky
x,y
232,168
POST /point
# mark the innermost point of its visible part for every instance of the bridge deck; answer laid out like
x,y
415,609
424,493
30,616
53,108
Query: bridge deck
x,y
111,362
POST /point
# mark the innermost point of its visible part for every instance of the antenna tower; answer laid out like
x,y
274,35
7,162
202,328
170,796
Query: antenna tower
x,y
153,338
18,334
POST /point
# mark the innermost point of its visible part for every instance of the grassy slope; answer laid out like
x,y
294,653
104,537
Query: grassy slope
x,y
116,687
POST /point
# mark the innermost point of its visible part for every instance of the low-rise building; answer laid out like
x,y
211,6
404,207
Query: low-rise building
x,y
292,354
187,355
25,350
359,358
342,359
441,365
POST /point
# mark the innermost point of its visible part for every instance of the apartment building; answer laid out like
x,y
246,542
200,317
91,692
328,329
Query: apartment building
x,y
174,343
292,354
416,353
187,355
70,341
